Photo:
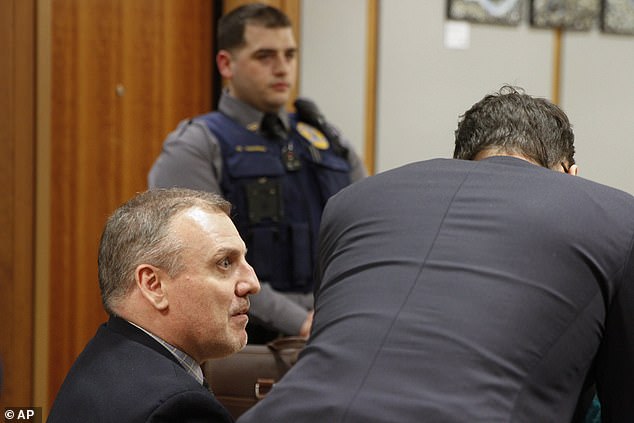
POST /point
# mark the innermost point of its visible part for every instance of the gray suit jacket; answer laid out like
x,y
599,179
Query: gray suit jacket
x,y
459,291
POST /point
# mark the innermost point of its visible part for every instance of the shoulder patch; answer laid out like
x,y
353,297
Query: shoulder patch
x,y
313,135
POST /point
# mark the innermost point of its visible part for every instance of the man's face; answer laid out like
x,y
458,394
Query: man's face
x,y
209,298
263,71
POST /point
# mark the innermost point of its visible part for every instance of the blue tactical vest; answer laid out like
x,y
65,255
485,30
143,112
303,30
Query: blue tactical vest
x,y
277,211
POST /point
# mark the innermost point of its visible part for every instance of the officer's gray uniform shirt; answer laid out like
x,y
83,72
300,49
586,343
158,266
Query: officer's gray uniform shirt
x,y
191,158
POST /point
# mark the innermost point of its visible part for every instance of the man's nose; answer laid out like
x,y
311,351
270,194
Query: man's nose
x,y
249,283
282,64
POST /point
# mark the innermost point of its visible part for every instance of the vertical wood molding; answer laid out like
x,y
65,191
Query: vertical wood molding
x,y
557,64
292,8
43,201
371,86
17,155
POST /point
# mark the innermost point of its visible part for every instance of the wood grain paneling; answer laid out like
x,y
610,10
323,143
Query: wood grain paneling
x,y
17,146
123,74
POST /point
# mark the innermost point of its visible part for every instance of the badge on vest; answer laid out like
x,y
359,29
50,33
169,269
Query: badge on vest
x,y
313,135
251,148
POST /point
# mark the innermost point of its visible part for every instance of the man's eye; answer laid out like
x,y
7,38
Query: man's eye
x,y
225,263
265,56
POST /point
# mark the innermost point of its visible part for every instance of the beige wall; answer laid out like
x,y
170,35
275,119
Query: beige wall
x,y
423,87
598,95
333,60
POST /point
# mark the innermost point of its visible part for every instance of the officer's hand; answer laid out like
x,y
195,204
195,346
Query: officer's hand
x,y
308,323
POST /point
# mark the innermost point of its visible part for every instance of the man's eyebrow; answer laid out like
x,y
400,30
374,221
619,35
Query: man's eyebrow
x,y
274,50
224,251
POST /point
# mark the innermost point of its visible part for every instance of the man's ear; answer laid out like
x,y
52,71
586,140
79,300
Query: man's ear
x,y
573,170
224,61
151,282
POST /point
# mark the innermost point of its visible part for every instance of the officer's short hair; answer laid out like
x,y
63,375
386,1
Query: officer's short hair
x,y
232,25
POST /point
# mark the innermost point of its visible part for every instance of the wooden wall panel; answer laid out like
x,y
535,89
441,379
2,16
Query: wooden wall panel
x,y
82,120
17,146
123,74
166,74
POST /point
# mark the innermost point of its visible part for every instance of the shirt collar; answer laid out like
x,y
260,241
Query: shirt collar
x,y
510,160
189,364
244,114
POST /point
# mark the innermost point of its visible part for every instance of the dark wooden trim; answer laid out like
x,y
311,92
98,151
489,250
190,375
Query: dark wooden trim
x,y
17,157
371,86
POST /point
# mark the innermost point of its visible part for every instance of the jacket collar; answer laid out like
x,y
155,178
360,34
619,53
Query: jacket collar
x,y
125,328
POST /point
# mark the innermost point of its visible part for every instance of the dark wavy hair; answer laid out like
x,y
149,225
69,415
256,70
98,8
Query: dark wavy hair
x,y
513,122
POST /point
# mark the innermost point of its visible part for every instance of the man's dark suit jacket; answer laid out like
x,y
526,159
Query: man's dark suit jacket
x,y
464,291
124,376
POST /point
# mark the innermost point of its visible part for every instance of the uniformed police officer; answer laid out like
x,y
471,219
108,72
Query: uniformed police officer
x,y
277,169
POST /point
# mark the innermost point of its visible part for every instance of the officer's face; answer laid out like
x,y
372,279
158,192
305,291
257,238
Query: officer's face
x,y
263,71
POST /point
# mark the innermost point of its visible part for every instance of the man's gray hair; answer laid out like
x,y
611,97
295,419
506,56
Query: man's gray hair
x,y
139,232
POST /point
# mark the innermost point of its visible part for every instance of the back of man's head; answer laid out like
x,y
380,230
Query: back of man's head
x,y
512,122
231,26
